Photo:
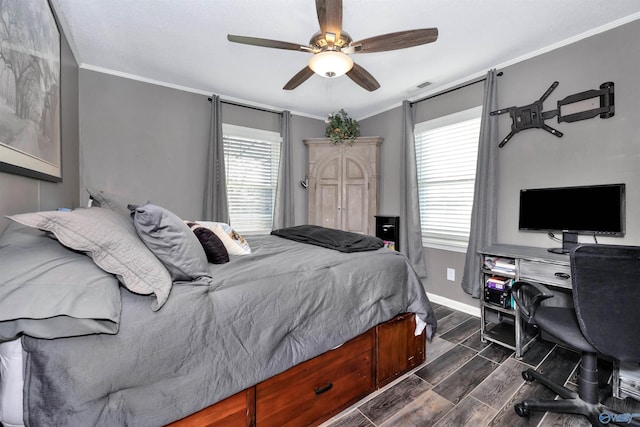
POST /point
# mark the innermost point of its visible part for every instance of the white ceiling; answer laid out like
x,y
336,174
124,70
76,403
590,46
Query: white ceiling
x,y
182,43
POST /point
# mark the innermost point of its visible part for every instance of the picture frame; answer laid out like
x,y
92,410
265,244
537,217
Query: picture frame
x,y
30,64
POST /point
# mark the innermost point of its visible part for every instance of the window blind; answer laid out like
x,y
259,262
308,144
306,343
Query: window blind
x,y
252,159
446,156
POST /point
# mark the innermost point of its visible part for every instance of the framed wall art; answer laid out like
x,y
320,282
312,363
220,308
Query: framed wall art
x,y
30,90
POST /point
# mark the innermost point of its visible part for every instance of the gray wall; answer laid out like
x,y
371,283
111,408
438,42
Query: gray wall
x,y
302,128
143,142
594,151
21,194
388,125
146,142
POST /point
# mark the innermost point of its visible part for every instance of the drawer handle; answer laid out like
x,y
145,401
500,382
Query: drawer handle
x,y
324,389
561,275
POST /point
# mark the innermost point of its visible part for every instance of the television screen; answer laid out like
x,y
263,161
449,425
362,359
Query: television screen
x,y
594,209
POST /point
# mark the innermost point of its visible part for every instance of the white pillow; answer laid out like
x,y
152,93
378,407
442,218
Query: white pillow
x,y
232,240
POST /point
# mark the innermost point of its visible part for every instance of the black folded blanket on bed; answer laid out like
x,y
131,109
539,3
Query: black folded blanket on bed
x,y
343,241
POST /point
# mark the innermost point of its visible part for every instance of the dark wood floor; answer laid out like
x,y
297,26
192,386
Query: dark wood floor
x,y
465,382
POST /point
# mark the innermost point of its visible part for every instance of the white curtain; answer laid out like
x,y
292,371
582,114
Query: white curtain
x,y
410,230
484,211
215,207
283,215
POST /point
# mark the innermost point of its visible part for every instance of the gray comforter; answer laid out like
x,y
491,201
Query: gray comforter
x,y
285,303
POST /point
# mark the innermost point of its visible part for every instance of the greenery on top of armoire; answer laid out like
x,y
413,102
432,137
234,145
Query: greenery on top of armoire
x,y
342,128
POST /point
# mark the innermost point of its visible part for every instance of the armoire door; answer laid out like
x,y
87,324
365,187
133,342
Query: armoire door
x,y
342,200
355,198
328,194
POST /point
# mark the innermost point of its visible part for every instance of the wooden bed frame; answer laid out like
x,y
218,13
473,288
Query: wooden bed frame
x,y
315,390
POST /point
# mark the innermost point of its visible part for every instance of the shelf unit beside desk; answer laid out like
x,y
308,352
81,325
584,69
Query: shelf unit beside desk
x,y
503,325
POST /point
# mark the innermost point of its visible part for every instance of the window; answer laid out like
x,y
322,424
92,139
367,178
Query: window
x,y
446,155
251,160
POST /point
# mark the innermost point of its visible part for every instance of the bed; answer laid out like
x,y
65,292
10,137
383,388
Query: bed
x,y
128,350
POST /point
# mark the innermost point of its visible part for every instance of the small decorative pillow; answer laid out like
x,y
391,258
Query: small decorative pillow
x,y
211,243
171,240
110,239
232,240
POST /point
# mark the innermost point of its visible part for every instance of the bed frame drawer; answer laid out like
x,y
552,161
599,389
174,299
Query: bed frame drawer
x,y
319,388
236,410
398,349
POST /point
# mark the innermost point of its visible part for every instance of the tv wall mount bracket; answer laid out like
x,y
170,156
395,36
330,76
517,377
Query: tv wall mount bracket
x,y
579,106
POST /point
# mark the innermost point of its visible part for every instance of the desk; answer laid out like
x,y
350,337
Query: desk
x,y
500,320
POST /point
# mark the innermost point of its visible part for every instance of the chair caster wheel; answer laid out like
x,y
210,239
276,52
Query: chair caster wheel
x,y
521,410
526,375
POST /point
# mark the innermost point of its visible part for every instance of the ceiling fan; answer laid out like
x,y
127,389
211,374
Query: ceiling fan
x,y
331,47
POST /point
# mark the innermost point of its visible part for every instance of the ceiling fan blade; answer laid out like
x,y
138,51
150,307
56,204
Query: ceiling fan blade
x,y
299,78
254,41
393,41
363,78
330,16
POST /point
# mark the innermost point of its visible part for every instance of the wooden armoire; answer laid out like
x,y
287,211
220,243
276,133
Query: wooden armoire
x,y
343,183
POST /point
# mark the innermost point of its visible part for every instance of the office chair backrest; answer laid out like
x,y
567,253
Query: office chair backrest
x,y
606,295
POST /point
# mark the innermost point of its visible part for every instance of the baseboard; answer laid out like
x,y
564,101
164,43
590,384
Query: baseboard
x,y
456,305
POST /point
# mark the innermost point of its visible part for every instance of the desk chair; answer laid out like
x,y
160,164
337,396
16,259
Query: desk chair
x,y
606,297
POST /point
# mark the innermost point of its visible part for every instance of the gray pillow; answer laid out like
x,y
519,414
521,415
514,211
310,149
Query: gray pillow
x,y
171,240
110,239
105,199
49,291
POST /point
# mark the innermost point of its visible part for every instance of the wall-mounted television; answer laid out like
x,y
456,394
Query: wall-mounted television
x,y
591,209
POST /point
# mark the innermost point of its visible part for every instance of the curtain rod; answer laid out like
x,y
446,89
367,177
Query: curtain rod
x,y
463,85
237,104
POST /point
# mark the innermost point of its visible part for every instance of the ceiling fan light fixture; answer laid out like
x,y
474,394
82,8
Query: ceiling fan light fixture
x,y
330,63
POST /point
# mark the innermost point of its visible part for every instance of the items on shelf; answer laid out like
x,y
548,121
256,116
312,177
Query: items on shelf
x,y
500,283
500,265
390,244
497,291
